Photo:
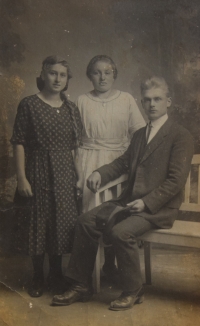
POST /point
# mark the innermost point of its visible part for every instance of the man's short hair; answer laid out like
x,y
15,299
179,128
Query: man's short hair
x,y
155,82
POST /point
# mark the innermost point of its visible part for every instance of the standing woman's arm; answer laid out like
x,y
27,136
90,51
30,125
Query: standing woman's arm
x,y
23,185
18,140
77,124
78,169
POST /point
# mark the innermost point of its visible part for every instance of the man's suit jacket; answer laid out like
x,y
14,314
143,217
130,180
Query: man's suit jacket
x,y
157,173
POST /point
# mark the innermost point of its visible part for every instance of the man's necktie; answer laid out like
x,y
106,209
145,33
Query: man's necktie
x,y
149,128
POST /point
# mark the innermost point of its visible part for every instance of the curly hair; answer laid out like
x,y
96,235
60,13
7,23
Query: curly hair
x,y
101,57
47,63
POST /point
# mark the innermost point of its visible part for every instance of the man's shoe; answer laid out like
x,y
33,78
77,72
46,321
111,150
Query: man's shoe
x,y
75,293
127,300
35,289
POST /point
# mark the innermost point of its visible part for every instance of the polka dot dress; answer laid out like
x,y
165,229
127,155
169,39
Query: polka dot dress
x,y
45,222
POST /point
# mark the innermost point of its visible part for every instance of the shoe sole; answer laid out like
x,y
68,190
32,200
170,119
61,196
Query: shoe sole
x,y
138,300
84,299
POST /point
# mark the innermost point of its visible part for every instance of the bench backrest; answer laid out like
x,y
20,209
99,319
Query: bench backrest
x,y
192,188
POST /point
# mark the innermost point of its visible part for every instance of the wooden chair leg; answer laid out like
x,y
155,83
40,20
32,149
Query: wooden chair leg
x,y
96,272
147,261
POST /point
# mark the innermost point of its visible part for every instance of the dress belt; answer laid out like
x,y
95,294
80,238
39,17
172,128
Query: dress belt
x,y
44,150
113,144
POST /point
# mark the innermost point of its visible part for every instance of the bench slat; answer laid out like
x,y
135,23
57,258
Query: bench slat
x,y
187,190
196,159
190,207
174,240
183,233
182,228
113,183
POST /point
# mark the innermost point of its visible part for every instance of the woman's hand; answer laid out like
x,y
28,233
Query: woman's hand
x,y
24,187
136,206
94,181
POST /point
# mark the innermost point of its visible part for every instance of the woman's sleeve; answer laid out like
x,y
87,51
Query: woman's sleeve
x,y
78,104
21,125
77,125
136,120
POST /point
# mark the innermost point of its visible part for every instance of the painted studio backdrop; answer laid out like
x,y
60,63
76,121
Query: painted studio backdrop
x,y
143,37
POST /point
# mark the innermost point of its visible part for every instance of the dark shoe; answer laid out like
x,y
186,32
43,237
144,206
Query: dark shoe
x,y
111,273
35,290
127,300
74,294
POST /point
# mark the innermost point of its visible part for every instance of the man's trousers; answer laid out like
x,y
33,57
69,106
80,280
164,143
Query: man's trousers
x,y
123,238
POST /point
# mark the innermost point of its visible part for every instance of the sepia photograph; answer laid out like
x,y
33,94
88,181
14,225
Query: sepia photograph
x,y
99,162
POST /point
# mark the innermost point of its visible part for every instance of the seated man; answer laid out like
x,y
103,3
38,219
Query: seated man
x,y
158,162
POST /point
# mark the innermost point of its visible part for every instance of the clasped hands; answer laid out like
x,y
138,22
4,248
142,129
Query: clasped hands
x,y
94,183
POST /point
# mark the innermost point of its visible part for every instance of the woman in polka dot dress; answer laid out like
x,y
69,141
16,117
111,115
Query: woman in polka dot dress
x,y
46,131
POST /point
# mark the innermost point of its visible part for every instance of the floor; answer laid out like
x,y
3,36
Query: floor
x,y
172,300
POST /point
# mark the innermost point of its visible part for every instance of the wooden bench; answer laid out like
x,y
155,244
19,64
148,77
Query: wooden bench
x,y
183,233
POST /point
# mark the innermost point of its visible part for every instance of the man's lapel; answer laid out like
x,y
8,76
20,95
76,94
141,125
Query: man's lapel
x,y
157,140
139,145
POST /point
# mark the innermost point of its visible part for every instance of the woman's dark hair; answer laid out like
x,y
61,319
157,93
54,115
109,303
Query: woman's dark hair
x,y
47,63
104,58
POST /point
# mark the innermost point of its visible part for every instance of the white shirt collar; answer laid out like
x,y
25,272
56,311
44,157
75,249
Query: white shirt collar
x,y
159,122
156,125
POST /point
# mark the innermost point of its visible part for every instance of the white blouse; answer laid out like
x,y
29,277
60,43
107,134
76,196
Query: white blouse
x,y
109,123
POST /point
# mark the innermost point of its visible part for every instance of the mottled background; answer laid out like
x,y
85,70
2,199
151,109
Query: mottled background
x,y
144,37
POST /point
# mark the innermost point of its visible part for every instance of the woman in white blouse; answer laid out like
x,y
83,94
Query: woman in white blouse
x,y
109,117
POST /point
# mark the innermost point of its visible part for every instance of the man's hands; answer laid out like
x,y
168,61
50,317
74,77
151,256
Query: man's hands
x,y
136,206
94,181
24,187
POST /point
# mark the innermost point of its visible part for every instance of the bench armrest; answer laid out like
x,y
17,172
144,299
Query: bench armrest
x,y
105,189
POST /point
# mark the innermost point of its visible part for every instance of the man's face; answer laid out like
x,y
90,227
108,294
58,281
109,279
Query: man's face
x,y
155,103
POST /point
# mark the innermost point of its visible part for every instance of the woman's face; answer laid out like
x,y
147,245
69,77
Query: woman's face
x,y
55,78
102,76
